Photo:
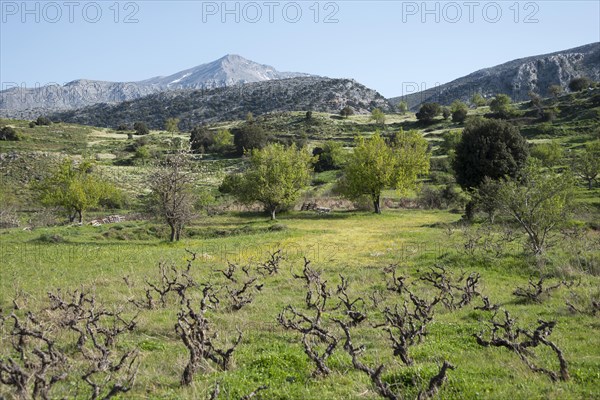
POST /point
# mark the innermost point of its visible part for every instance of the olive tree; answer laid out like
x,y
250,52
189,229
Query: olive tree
x,y
275,177
74,188
378,116
172,125
376,165
586,164
540,200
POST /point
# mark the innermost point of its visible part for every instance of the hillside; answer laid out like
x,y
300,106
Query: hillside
x,y
194,107
28,103
516,78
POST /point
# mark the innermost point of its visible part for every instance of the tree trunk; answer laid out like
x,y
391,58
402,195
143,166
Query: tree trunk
x,y
590,184
376,204
273,214
470,211
172,233
80,213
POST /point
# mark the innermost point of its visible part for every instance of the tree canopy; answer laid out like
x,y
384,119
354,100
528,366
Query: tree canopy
x,y
378,116
586,164
248,137
428,112
492,148
459,111
540,200
376,165
275,177
502,105
74,188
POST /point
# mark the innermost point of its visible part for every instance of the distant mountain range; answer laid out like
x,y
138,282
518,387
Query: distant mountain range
x,y
27,103
194,107
232,86
516,78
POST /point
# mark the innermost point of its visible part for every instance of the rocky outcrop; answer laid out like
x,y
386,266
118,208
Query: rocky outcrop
x,y
516,78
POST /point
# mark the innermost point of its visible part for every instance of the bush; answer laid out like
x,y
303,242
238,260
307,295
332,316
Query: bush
x,y
501,105
50,238
249,137
140,128
446,112
440,164
9,133
459,111
579,84
428,112
441,198
201,138
43,121
329,157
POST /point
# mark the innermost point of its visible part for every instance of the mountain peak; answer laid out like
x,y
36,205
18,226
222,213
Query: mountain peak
x,y
231,69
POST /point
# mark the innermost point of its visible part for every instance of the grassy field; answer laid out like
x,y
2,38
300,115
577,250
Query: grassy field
x,y
356,245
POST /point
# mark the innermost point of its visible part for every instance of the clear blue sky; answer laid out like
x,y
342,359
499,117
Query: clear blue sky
x,y
385,45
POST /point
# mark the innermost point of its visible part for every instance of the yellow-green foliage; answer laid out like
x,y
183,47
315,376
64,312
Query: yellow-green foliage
x,y
276,176
73,188
376,165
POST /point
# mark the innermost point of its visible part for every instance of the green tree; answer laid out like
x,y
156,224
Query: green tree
x,y
140,128
492,148
346,111
376,165
329,157
459,111
403,107
275,178
555,90
172,184
502,105
579,84
249,137
223,141
378,116
549,153
201,138
486,197
450,140
142,155
446,113
586,164
428,112
74,188
172,125
539,200
477,100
